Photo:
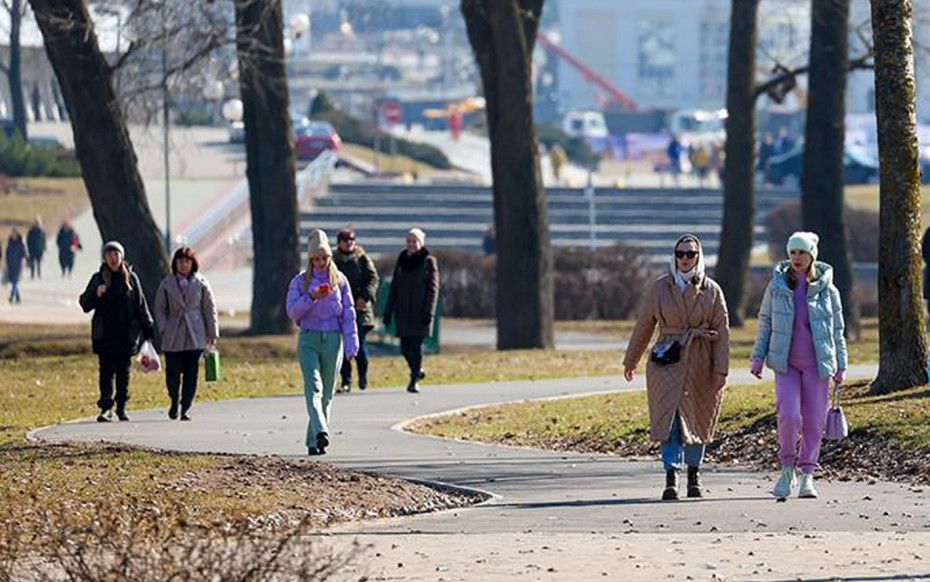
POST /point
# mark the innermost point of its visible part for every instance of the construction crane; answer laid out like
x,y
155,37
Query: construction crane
x,y
616,95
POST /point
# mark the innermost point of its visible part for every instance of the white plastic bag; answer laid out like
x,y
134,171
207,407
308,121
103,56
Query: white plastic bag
x,y
147,359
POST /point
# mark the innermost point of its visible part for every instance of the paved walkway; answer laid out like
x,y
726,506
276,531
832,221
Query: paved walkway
x,y
554,513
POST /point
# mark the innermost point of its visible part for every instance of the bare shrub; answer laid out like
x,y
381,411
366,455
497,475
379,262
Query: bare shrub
x,y
605,284
861,227
102,542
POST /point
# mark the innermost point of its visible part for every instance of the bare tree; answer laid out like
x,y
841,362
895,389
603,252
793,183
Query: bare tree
x,y
104,150
16,11
739,198
502,35
270,159
902,332
822,179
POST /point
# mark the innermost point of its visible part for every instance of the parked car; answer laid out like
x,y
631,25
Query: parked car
x,y
315,138
859,167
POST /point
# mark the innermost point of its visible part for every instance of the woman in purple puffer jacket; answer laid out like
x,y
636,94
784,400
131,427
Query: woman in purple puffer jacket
x,y
319,301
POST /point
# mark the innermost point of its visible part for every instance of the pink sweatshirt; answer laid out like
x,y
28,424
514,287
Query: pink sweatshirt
x,y
801,354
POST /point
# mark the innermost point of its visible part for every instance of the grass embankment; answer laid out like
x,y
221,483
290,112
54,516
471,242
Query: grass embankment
x,y
55,199
889,434
389,163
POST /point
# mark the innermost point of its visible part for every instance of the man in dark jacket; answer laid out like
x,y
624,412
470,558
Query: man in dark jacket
x,y
358,268
67,241
121,314
35,242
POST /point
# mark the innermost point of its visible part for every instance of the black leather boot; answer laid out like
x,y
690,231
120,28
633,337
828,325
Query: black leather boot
x,y
694,482
671,485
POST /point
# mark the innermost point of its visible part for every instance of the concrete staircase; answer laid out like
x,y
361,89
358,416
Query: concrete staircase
x,y
456,216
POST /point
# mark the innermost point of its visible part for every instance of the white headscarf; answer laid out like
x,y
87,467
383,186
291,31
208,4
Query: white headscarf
x,y
683,278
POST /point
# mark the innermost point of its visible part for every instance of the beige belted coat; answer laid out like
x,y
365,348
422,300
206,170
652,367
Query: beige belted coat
x,y
697,318
185,320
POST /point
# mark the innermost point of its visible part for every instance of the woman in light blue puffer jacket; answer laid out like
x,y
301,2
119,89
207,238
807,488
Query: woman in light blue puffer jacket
x,y
801,337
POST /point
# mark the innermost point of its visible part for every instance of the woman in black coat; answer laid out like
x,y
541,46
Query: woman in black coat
x,y
412,301
16,255
121,314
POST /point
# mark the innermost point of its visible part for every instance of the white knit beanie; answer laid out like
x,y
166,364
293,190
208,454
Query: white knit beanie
x,y
319,242
114,246
804,241
419,235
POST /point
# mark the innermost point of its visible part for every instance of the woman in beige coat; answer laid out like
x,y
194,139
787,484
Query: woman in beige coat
x,y
185,313
688,364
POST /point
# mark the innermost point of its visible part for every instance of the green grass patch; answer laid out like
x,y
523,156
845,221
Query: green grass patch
x,y
889,434
55,199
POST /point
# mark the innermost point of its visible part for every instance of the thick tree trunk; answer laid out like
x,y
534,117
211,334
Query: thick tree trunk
x,y
822,180
502,34
902,334
101,139
739,198
270,160
15,74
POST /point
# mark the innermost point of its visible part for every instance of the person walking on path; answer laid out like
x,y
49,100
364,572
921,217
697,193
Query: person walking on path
x,y
801,338
360,271
185,313
688,365
68,242
16,255
35,241
319,301
121,314
411,303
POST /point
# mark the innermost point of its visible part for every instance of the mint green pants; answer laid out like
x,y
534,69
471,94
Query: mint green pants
x,y
320,355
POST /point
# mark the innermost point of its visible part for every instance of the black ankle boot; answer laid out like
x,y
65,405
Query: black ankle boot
x,y
671,485
173,410
694,482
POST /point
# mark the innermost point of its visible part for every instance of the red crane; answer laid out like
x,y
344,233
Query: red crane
x,y
589,74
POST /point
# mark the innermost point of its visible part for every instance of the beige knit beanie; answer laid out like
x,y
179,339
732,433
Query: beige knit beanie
x,y
319,242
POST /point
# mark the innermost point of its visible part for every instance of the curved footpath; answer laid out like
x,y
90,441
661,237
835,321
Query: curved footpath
x,y
558,516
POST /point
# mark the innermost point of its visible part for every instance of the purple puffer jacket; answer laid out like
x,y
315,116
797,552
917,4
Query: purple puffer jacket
x,y
335,312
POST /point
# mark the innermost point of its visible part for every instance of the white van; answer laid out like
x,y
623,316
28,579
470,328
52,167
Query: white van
x,y
586,124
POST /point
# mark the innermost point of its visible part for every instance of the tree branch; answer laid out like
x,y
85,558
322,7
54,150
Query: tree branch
x,y
859,63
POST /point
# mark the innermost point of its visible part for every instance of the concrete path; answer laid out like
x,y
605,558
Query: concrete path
x,y
588,515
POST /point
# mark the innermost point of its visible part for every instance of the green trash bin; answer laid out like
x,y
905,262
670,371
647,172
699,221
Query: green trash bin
x,y
384,335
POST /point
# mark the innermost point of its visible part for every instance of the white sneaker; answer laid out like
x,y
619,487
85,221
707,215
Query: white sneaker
x,y
785,483
806,488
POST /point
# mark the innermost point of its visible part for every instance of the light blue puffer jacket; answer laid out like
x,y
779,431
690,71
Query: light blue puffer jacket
x,y
776,321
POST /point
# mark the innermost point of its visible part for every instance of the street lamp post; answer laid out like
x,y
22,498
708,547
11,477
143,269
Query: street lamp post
x,y
166,132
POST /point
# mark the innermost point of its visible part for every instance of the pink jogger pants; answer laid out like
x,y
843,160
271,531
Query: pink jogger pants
x,y
802,399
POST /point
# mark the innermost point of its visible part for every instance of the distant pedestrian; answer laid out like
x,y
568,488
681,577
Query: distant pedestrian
x,y
557,159
489,242
674,151
766,151
801,337
784,143
319,301
16,255
35,241
185,313
68,243
121,315
688,364
412,300
360,271
701,163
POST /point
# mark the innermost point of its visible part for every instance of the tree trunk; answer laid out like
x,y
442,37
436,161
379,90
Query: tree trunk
x,y
270,160
822,180
902,334
15,74
101,139
739,198
502,34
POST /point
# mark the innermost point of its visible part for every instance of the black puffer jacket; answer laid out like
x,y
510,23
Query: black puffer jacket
x,y
414,293
121,315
